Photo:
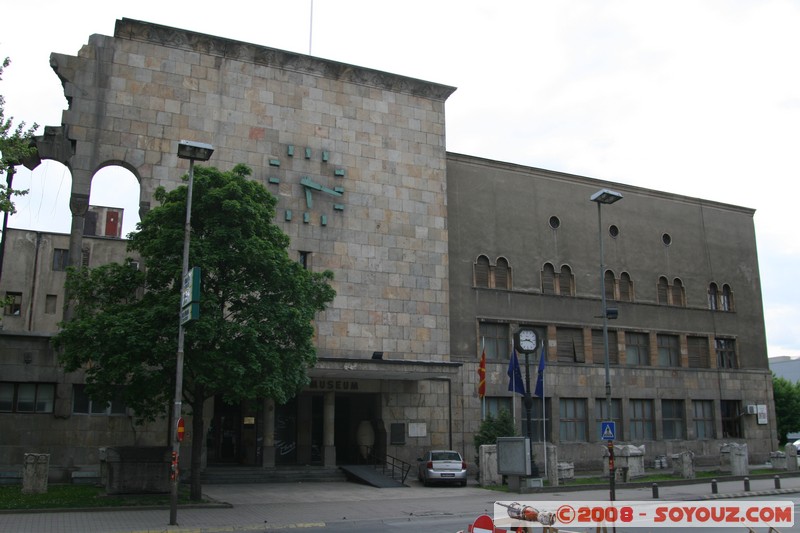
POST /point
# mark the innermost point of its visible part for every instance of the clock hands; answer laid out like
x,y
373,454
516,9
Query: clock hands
x,y
310,185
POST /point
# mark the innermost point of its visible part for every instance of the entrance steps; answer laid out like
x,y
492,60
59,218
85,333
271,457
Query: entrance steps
x,y
234,474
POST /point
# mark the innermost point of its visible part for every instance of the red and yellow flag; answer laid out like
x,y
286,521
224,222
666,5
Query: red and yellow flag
x,y
482,375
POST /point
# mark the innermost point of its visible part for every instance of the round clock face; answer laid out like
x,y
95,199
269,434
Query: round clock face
x,y
527,340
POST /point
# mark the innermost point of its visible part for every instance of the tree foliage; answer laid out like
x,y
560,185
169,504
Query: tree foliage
x,y
493,427
254,337
787,407
15,146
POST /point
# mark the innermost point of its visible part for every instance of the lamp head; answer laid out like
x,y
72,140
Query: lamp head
x,y
606,196
196,151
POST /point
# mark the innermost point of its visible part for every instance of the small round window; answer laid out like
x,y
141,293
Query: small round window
x,y
613,230
666,239
555,222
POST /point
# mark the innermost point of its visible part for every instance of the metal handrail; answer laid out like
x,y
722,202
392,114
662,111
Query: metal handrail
x,y
394,465
397,464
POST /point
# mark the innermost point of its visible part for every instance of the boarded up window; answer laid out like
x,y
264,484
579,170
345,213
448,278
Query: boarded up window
x,y
678,297
502,274
565,281
598,350
625,287
698,352
663,291
570,345
482,272
609,282
548,279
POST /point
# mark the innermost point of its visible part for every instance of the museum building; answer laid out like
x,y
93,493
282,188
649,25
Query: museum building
x,y
437,258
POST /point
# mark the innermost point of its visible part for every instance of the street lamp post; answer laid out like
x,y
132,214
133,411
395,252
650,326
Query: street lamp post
x,y
606,196
193,151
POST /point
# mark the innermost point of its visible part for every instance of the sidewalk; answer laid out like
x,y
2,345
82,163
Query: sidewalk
x,y
265,507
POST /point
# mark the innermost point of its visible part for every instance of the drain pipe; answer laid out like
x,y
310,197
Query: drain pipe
x,y
449,410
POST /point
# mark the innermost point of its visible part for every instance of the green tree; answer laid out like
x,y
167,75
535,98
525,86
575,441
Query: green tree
x,y
491,428
787,407
254,337
15,146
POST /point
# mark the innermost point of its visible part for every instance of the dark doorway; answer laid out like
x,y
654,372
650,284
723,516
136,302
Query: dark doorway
x,y
234,434
286,433
225,435
350,411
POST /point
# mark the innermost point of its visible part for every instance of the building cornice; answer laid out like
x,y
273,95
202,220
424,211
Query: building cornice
x,y
231,49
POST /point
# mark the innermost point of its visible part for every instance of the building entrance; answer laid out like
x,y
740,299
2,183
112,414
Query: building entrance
x,y
234,435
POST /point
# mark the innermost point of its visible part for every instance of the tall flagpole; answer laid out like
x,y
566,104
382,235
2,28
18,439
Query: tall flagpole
x,y
483,400
544,420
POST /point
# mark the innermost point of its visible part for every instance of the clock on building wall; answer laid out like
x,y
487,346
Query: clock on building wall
x,y
525,340
317,180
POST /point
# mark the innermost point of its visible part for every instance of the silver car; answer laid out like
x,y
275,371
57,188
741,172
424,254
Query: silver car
x,y
442,466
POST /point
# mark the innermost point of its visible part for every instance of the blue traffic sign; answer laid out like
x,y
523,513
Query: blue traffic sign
x,y
608,430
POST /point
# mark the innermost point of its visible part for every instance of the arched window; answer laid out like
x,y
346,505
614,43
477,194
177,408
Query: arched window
x,y
678,294
482,272
712,296
625,287
566,281
548,279
727,298
610,281
502,274
663,291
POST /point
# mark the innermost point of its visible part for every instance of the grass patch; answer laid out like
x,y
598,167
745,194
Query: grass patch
x,y
81,496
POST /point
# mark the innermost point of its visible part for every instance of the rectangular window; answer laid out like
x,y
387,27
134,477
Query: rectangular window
x,y
50,304
641,420
13,304
536,420
570,345
572,419
601,414
669,352
703,411
27,397
672,418
698,352
494,338
731,420
82,403
6,397
637,348
60,259
496,404
305,259
598,348
726,353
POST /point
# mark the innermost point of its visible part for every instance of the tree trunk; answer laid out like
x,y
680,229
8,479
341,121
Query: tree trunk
x,y
198,441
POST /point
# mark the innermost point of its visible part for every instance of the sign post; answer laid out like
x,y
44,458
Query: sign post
x,y
608,431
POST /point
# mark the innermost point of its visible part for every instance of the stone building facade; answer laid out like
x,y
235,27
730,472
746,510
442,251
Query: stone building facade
x,y
423,245
687,354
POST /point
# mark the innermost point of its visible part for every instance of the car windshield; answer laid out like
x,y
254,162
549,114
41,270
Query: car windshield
x,y
445,456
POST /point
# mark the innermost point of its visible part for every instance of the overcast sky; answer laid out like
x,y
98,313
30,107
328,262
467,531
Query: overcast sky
x,y
696,97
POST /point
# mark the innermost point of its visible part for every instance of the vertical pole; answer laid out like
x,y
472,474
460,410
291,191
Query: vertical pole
x,y
176,445
528,413
9,181
611,488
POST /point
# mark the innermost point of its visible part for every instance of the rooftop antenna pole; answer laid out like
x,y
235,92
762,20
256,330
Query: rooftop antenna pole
x,y
310,27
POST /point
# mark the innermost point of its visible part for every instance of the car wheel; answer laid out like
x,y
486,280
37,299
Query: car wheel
x,y
464,483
